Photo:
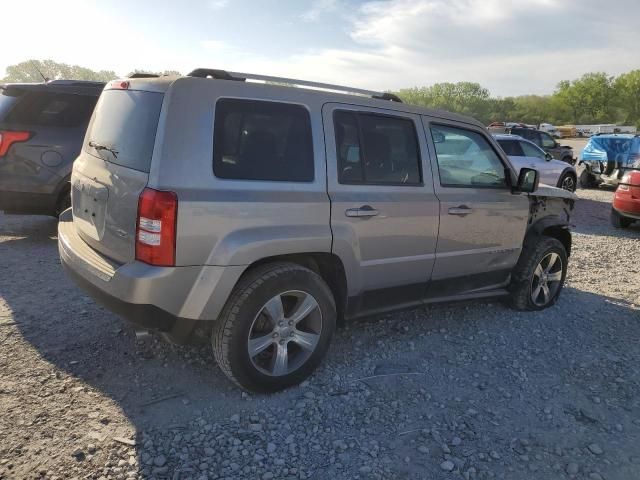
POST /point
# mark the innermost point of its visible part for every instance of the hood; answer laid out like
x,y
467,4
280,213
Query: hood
x,y
549,191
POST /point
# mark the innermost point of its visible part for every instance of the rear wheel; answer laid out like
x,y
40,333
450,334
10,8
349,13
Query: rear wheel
x,y
568,182
64,202
539,276
275,328
619,221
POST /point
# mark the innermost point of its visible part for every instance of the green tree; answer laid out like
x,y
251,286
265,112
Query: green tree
x,y
590,97
627,93
30,71
164,72
468,98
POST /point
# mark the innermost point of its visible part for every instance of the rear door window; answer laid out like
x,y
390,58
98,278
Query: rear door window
x,y
123,129
511,148
50,109
260,140
376,149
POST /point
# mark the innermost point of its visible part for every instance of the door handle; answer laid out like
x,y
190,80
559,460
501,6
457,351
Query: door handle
x,y
364,211
462,210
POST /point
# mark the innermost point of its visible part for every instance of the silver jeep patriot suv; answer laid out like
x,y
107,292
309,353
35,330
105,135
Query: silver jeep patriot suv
x,y
263,214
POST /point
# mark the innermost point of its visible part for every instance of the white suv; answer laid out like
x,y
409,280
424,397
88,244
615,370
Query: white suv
x,y
526,154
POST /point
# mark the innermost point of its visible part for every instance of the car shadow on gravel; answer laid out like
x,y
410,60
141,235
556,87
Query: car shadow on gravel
x,y
140,397
163,390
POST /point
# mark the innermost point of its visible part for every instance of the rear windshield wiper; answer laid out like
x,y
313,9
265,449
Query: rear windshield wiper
x,y
99,146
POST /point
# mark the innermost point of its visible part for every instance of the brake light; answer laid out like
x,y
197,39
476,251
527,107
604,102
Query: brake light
x,y
156,227
8,138
117,85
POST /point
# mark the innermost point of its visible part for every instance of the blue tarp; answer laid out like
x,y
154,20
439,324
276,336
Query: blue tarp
x,y
623,149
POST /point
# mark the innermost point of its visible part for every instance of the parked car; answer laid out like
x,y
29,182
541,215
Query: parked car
x,y
625,208
547,143
41,130
606,158
266,213
550,129
526,154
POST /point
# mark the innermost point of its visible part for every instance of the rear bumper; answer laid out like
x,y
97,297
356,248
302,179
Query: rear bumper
x,y
148,296
25,203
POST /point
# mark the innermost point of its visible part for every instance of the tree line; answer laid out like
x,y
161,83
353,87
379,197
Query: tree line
x,y
593,98
39,70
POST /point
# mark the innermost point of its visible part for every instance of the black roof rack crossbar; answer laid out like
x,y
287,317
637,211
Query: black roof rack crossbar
x,y
143,75
237,76
213,73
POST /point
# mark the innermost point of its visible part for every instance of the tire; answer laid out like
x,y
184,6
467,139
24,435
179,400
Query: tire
x,y
64,202
568,160
568,182
619,221
538,252
587,180
249,314
609,167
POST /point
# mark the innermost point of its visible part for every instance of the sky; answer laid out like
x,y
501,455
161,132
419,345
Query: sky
x,y
510,47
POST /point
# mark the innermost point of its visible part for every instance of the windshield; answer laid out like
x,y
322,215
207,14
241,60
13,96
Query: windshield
x,y
123,129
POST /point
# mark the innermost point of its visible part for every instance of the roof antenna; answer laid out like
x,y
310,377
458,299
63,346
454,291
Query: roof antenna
x,y
38,70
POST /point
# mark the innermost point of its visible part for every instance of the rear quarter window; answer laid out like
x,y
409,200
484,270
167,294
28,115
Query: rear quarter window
x,y
260,140
7,101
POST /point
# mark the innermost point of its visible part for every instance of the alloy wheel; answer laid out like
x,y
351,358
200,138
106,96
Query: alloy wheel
x,y
547,278
285,333
568,183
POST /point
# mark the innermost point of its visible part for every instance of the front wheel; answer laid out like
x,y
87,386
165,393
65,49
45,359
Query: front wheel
x,y
568,182
539,275
618,221
275,328
587,179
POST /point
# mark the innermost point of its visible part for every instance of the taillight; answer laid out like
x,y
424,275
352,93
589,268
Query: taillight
x,y
156,227
117,85
8,138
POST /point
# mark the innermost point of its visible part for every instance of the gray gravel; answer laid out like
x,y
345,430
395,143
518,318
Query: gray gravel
x,y
467,390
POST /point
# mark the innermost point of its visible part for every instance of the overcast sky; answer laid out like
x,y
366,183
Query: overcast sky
x,y
510,47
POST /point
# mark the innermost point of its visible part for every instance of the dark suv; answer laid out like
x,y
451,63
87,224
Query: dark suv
x,y
546,142
42,126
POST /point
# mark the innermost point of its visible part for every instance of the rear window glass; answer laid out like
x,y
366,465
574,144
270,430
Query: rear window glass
x,y
123,130
49,109
258,140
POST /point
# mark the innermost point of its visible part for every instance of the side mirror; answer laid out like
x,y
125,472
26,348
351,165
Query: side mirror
x,y
548,156
528,180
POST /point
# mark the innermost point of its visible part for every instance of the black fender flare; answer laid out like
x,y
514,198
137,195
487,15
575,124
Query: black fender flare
x,y
552,226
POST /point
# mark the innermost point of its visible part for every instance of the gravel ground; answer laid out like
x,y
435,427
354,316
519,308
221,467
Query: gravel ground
x,y
467,390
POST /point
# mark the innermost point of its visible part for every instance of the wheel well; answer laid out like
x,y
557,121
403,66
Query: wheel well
x,y
561,234
327,265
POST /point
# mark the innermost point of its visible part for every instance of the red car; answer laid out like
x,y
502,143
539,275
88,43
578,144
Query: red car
x,y
626,202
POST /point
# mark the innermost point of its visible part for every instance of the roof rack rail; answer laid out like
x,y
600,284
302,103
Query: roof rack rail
x,y
241,77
